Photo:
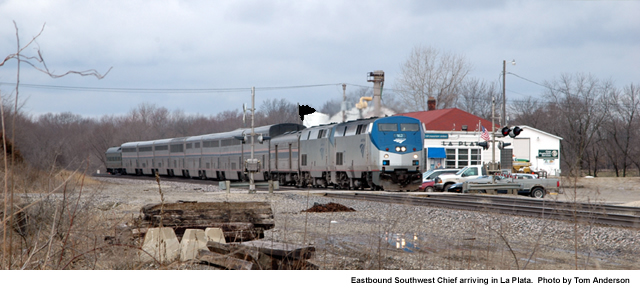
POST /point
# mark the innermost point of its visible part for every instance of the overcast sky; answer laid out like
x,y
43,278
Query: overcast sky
x,y
239,44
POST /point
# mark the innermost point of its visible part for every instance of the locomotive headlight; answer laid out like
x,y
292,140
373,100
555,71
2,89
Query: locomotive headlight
x,y
386,156
403,149
415,156
397,149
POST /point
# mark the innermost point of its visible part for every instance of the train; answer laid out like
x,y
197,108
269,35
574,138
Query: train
x,y
384,153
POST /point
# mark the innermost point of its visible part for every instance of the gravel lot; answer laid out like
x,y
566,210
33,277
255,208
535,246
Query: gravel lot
x,y
391,236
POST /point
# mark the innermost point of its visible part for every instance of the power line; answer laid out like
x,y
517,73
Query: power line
x,y
163,91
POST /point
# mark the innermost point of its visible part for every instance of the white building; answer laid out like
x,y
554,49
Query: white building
x,y
457,149
542,149
452,138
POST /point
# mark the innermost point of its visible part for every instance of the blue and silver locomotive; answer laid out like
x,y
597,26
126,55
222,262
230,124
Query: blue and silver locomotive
x,y
377,153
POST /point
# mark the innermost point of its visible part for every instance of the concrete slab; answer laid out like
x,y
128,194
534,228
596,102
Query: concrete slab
x,y
193,241
162,244
215,234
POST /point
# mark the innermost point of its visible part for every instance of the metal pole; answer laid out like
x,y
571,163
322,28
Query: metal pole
x,y
344,102
504,98
252,185
493,142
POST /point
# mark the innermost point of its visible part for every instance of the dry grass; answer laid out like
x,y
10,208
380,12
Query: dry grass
x,y
29,180
55,223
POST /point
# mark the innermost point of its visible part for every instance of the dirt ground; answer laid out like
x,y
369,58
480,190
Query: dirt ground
x,y
610,190
374,235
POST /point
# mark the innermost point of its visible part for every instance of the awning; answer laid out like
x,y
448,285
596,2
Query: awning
x,y
436,153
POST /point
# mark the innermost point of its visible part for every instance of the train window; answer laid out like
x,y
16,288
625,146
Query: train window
x,y
161,148
210,144
177,148
303,160
145,149
197,145
410,127
387,127
339,158
230,142
321,133
361,128
309,135
351,130
189,145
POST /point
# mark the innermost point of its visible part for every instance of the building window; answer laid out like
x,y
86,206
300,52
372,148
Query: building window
x,y
451,158
463,157
476,158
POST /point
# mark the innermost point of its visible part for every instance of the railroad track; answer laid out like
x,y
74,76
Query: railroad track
x,y
610,215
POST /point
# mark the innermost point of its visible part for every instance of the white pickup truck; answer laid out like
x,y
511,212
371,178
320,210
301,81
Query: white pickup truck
x,y
443,182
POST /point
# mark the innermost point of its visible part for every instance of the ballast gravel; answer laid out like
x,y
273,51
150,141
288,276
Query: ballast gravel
x,y
394,236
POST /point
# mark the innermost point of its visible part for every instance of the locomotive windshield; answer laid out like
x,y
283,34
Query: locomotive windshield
x,y
387,127
410,127
394,127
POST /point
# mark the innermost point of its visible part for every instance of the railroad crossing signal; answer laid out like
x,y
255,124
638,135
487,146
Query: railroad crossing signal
x,y
502,145
511,132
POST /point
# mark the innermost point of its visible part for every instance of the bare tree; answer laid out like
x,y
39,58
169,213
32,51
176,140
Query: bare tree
x,y
278,111
622,127
530,112
476,97
581,103
431,72
38,63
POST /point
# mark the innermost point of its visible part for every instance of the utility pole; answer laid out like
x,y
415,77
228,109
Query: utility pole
x,y
504,94
252,185
344,102
493,133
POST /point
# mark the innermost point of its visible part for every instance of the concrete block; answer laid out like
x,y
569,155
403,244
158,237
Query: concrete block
x,y
215,234
192,241
162,244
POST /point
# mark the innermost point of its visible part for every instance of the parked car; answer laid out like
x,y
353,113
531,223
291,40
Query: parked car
x,y
443,182
432,174
427,186
428,178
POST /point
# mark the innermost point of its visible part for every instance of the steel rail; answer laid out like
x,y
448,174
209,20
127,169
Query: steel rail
x,y
565,211
612,215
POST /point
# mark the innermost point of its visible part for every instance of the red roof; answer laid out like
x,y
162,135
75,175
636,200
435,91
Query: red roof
x,y
450,119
